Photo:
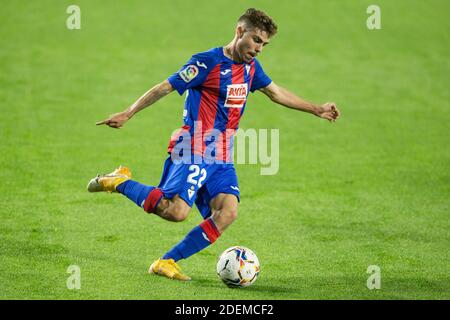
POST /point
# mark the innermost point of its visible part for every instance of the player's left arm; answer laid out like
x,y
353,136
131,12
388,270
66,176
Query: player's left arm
x,y
288,99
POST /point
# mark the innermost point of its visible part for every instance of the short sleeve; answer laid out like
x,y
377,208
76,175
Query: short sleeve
x,y
260,79
194,72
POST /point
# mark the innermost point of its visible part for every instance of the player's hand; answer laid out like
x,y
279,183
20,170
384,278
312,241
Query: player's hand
x,y
116,120
329,111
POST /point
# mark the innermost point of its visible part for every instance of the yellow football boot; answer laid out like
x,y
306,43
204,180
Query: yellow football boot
x,y
168,268
110,181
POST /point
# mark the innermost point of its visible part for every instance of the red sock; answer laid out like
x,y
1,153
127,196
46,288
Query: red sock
x,y
152,201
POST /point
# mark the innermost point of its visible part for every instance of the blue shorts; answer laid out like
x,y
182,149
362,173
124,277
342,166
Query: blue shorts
x,y
198,183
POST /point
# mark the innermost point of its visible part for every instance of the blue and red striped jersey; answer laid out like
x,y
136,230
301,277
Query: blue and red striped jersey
x,y
217,89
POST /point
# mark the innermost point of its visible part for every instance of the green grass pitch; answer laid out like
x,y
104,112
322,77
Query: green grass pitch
x,y
371,189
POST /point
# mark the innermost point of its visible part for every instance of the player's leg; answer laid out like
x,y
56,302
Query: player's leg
x,y
202,235
164,202
222,198
219,209
175,209
154,200
224,208
196,240
177,191
188,188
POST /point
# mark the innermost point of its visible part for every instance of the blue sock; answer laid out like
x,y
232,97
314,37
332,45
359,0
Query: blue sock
x,y
196,240
135,191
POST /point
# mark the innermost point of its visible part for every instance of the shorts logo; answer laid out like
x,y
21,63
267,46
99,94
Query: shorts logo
x,y
236,95
189,73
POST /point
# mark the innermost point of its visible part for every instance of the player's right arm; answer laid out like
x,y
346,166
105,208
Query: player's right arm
x,y
117,120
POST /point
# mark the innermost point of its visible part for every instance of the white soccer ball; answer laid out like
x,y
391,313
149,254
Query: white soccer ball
x,y
238,267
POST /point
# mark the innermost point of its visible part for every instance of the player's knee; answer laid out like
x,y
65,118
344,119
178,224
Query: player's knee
x,y
232,214
228,215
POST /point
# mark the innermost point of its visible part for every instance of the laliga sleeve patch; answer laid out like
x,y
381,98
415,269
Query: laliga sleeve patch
x,y
189,73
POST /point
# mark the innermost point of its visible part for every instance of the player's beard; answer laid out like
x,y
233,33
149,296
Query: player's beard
x,y
244,52
245,56
249,54
249,57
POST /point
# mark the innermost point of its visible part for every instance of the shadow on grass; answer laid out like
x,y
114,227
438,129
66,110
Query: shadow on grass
x,y
330,287
255,288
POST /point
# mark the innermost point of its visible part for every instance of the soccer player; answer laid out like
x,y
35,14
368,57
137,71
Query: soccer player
x,y
199,168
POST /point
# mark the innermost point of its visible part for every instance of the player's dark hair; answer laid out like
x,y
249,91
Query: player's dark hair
x,y
254,18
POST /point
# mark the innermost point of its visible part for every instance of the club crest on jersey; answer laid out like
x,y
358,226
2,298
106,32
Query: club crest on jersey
x,y
189,73
236,95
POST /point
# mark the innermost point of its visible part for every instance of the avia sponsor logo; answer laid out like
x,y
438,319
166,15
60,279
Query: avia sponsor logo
x,y
236,95
189,73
